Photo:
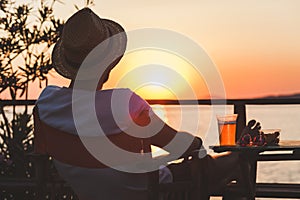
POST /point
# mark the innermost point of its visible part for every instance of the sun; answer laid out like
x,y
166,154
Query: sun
x,y
158,74
153,91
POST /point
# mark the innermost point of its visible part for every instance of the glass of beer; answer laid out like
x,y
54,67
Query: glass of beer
x,y
227,129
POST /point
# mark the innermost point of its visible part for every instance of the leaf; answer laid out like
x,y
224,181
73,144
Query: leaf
x,y
23,69
76,7
22,92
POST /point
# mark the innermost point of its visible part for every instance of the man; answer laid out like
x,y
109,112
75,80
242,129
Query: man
x,y
86,159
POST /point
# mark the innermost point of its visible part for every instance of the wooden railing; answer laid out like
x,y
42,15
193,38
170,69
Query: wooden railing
x,y
239,105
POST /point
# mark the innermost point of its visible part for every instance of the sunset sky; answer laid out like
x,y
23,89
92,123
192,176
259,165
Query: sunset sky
x,y
254,43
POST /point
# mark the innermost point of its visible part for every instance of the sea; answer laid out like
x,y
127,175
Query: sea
x,y
200,120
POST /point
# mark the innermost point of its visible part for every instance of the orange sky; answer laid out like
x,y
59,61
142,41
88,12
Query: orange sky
x,y
255,44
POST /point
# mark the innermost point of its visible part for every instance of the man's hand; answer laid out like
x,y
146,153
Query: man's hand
x,y
196,145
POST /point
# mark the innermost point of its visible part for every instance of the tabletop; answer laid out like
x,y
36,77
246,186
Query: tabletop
x,y
282,146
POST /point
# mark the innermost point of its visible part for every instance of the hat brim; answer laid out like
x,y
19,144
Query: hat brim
x,y
117,50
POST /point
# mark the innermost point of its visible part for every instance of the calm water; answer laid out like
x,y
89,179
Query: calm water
x,y
201,121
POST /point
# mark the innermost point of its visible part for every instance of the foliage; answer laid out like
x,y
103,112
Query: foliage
x,y
26,40
17,143
27,34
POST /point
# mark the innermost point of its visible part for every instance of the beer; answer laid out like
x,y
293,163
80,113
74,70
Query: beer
x,y
227,133
227,128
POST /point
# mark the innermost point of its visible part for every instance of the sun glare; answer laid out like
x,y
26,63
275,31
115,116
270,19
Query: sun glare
x,y
152,91
157,74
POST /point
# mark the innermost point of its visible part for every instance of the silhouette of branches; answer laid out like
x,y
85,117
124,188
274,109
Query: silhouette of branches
x,y
27,35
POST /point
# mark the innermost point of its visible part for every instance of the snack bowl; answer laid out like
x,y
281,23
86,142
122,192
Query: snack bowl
x,y
271,135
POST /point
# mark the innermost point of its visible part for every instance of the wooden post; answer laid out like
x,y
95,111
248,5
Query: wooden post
x,y
240,109
153,185
199,179
40,164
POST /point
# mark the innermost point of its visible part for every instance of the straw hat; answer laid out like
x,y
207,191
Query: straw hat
x,y
82,32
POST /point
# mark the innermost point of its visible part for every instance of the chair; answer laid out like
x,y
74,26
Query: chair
x,y
182,190
193,189
51,185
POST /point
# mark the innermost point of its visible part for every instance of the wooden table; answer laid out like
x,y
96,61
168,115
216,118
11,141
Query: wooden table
x,y
286,150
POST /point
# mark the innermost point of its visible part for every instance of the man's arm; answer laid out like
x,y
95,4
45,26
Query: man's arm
x,y
167,134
